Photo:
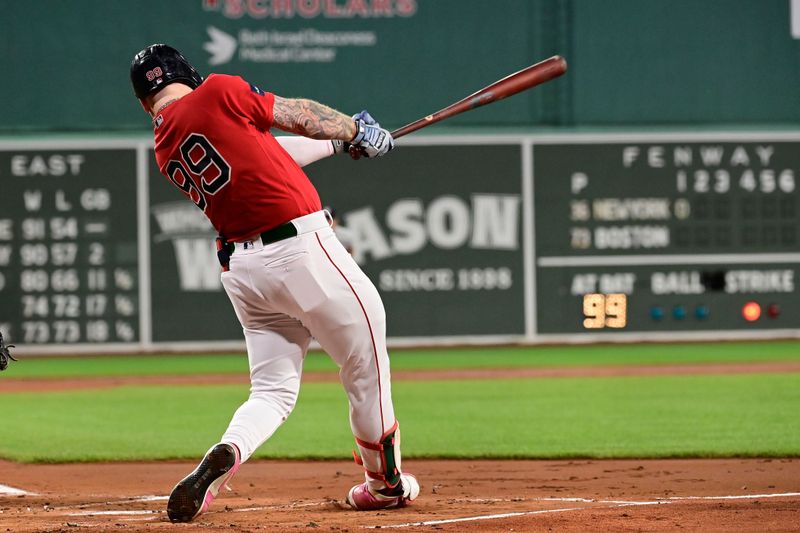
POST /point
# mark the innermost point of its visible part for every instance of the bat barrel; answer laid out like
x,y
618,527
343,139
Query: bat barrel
x,y
525,79
519,81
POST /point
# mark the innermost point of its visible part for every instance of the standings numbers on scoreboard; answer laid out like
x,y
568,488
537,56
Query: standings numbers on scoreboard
x,y
68,256
605,311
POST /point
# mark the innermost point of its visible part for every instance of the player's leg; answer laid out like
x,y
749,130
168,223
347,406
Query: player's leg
x,y
276,347
276,358
351,328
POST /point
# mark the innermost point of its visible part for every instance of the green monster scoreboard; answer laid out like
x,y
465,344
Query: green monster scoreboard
x,y
469,239
666,235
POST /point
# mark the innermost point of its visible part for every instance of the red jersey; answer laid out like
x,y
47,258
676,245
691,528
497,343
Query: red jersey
x,y
214,144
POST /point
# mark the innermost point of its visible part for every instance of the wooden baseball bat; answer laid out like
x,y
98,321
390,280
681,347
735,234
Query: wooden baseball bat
x,y
522,80
526,78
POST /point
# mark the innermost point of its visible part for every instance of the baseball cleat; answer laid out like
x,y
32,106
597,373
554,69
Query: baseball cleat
x,y
193,495
362,498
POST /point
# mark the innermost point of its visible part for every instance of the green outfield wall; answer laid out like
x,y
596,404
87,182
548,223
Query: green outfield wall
x,y
648,194
65,64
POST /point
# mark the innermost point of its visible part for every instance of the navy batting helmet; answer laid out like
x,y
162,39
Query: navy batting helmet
x,y
157,66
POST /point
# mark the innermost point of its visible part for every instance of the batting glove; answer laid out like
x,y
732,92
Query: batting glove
x,y
373,140
340,146
366,117
344,146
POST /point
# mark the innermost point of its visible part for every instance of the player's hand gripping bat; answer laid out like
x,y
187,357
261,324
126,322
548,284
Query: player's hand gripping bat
x,y
526,78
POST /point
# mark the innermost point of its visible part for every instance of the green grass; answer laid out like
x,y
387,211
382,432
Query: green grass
x,y
507,357
707,416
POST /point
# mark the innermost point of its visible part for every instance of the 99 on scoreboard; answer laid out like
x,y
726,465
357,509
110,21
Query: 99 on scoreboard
x,y
602,311
692,234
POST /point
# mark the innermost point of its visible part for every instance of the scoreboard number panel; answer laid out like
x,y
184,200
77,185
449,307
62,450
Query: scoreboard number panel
x,y
68,246
605,311
701,234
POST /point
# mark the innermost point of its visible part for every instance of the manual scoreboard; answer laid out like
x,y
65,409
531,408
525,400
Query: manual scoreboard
x,y
68,246
698,235
529,238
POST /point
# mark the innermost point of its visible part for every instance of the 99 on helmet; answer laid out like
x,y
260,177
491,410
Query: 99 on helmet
x,y
157,66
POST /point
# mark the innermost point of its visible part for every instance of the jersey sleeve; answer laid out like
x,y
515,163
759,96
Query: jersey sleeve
x,y
249,101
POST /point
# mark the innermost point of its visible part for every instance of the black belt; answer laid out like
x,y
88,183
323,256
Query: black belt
x,y
284,231
225,249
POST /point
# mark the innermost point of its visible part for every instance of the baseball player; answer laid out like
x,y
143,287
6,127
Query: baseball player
x,y
288,277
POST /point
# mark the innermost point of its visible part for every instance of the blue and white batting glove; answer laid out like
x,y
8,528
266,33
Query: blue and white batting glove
x,y
344,146
373,140
366,117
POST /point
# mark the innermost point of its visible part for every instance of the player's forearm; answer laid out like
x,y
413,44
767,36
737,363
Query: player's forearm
x,y
305,151
312,119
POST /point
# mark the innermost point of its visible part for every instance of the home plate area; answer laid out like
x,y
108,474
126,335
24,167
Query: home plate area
x,y
629,495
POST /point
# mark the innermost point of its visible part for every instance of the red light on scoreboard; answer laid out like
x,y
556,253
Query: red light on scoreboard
x,y
751,311
773,310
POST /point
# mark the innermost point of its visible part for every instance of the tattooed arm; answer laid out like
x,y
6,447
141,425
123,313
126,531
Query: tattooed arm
x,y
312,119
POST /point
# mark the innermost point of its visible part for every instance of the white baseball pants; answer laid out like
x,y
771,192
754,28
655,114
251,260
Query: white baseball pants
x,y
284,294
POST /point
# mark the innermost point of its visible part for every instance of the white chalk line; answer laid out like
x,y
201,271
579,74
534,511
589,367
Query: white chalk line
x,y
153,498
505,515
150,498
603,504
594,500
121,501
114,513
517,499
144,515
741,497
5,490
149,514
474,518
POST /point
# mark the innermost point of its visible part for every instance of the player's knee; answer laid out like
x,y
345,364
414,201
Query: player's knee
x,y
283,399
365,364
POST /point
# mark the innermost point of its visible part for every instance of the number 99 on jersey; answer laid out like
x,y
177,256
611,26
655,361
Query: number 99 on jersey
x,y
605,311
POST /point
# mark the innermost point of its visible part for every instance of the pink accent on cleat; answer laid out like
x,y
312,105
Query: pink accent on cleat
x,y
362,498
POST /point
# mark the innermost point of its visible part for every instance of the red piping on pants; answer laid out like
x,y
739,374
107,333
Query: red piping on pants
x,y
369,325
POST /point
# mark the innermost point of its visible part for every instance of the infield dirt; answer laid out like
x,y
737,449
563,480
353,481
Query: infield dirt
x,y
457,496
486,496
